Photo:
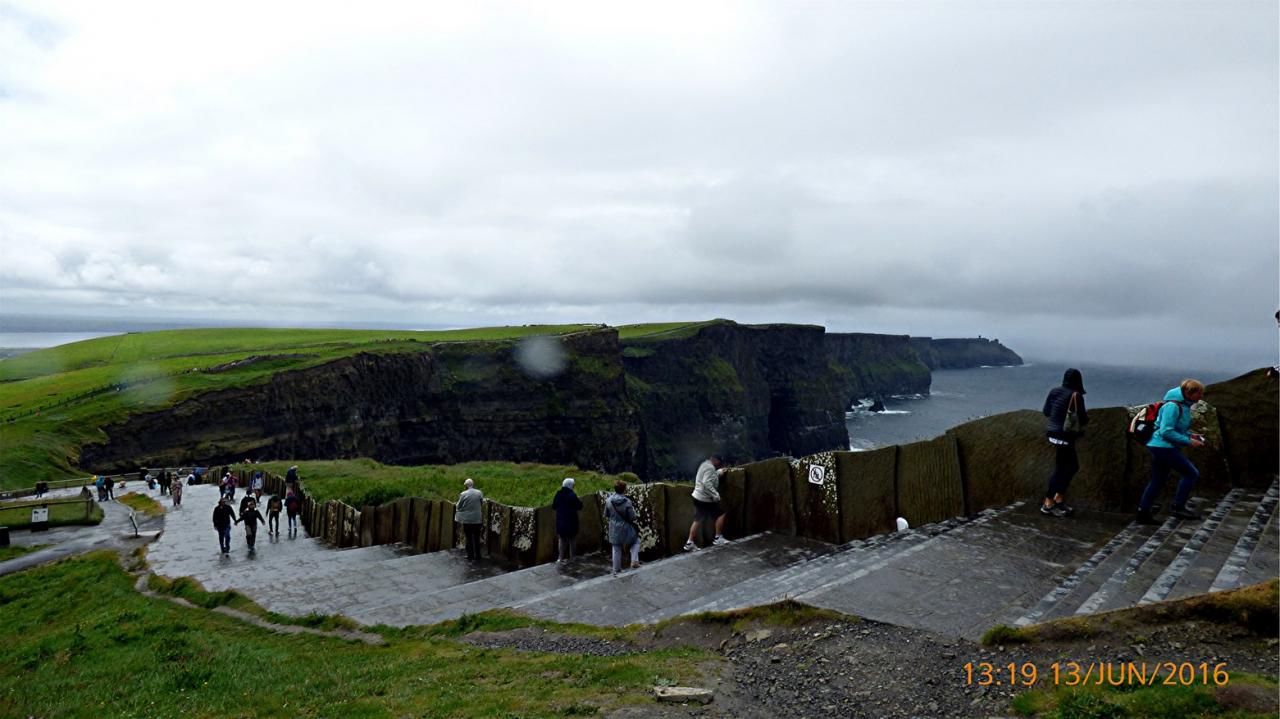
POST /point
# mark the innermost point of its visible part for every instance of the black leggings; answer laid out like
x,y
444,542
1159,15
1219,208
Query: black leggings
x,y
1065,466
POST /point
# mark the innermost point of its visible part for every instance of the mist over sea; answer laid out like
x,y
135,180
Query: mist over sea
x,y
958,396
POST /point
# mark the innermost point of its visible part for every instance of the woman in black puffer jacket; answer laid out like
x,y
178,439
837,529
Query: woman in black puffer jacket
x,y
1068,397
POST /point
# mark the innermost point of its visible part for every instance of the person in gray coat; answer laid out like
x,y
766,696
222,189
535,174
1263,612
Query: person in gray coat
x,y
468,514
623,532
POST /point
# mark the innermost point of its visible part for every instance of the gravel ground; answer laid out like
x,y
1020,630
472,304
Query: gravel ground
x,y
530,639
831,668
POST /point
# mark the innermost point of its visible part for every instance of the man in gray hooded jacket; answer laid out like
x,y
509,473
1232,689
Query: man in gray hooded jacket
x,y
468,514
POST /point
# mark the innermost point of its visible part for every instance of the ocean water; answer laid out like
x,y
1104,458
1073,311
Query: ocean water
x,y
40,340
958,396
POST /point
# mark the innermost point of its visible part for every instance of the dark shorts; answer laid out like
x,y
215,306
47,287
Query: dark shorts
x,y
706,510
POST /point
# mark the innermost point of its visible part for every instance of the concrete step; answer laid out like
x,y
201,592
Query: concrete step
x,y
1213,555
1257,539
430,605
1265,560
1167,541
853,559
380,583
626,599
966,581
1082,582
1177,567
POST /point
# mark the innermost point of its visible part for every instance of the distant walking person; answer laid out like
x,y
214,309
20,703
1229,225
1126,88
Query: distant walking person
x,y
706,502
251,517
1067,417
100,483
1172,433
274,505
567,505
175,491
111,486
223,516
468,514
291,481
292,507
623,533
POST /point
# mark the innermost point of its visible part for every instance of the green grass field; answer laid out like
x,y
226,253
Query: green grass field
x,y
80,642
60,515
363,481
54,401
661,331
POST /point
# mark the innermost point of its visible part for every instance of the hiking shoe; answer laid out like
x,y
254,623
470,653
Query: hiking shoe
x,y
1053,511
1146,518
1184,513
720,540
1067,510
689,546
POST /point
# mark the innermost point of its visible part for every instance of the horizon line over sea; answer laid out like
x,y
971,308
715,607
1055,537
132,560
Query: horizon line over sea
x,y
960,395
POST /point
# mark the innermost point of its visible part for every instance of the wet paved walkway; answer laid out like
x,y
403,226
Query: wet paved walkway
x,y
958,577
114,532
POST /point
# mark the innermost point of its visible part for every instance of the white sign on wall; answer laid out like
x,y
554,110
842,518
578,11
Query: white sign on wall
x,y
39,514
817,474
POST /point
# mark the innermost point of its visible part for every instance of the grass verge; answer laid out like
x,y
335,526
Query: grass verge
x,y
75,628
360,482
16,550
1244,696
60,515
1256,608
141,503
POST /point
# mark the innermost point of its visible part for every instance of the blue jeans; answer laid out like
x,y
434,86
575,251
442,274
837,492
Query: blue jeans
x,y
224,538
1164,459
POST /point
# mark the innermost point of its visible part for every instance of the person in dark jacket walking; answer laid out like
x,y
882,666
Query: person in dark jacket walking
x,y
292,508
623,532
1062,402
223,516
567,505
251,517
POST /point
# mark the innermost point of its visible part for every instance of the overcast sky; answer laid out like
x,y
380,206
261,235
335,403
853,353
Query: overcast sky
x,y
1082,180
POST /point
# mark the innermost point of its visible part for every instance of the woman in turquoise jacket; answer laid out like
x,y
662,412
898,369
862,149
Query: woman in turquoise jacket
x,y
1172,433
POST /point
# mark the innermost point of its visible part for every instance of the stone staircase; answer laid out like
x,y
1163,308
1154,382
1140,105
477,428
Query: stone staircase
x,y
959,577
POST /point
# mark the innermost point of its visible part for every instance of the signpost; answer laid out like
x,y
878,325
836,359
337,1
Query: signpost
x,y
40,518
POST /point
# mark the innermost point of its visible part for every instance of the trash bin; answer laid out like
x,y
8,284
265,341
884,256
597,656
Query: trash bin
x,y
4,536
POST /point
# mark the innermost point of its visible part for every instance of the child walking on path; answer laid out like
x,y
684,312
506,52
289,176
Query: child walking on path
x,y
251,517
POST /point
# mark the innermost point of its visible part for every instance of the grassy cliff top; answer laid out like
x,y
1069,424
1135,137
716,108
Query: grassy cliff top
x,y
363,481
663,331
56,400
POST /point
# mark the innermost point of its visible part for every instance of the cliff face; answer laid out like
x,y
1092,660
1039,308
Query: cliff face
x,y
746,391
450,403
870,365
963,353
654,404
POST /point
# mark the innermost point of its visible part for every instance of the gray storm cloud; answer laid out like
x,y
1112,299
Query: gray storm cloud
x,y
1073,175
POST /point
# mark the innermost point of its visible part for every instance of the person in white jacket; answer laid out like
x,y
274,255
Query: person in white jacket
x,y
706,501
